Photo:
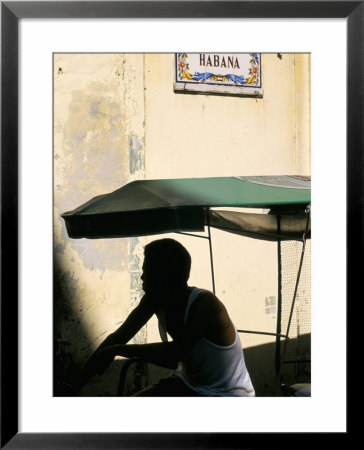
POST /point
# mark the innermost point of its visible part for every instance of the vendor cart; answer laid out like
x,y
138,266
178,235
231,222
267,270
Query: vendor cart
x,y
193,205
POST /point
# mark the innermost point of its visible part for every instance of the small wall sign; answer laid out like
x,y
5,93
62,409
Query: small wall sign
x,y
219,73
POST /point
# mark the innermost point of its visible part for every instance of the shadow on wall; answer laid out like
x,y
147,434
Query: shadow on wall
x,y
73,345
70,336
261,363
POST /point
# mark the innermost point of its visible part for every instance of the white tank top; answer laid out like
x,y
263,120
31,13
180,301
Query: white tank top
x,y
212,369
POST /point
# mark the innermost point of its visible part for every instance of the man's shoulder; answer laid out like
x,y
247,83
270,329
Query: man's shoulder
x,y
206,301
208,310
206,294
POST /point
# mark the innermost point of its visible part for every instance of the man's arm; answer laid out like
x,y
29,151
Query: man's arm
x,y
204,321
207,318
162,354
134,322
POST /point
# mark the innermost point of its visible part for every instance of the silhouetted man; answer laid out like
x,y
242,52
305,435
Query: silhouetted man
x,y
205,352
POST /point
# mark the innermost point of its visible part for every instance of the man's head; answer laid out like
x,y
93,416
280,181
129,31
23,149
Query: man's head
x,y
167,265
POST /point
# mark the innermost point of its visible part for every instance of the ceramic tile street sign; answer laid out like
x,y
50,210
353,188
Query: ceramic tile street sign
x,y
219,73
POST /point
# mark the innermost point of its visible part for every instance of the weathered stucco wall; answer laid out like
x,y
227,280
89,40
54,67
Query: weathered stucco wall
x,y
117,118
98,146
227,134
209,135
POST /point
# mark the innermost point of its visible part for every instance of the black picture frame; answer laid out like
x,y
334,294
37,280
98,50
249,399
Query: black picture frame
x,y
11,12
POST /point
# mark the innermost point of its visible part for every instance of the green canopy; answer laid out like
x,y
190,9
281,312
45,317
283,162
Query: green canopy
x,y
148,207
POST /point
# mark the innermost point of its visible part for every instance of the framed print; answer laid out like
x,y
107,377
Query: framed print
x,y
225,69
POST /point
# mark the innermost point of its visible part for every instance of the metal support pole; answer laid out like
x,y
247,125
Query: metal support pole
x,y
263,332
192,234
279,315
295,293
298,275
211,257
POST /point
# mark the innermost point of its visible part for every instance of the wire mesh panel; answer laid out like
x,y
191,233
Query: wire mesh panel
x,y
295,353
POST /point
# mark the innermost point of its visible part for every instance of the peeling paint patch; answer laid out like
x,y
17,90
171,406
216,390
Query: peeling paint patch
x,y
96,161
135,262
102,254
136,155
59,248
96,155
136,167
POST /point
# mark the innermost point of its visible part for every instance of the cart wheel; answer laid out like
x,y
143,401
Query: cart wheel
x,y
123,374
300,390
